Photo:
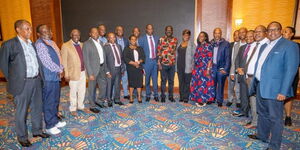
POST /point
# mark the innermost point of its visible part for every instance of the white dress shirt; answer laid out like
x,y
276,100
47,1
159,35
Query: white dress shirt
x,y
117,49
263,57
251,66
150,49
136,55
99,49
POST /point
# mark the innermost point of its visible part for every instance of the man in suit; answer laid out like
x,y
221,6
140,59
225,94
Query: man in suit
x,y
95,64
72,60
123,42
149,44
102,33
221,64
136,32
276,68
115,66
22,69
233,85
240,68
49,55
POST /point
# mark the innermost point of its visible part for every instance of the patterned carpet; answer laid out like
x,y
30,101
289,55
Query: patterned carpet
x,y
151,125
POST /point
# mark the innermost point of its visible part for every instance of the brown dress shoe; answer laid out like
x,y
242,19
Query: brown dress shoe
x,y
74,113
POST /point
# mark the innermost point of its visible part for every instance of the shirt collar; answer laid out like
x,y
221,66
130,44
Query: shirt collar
x,y
95,40
75,43
274,41
263,41
21,40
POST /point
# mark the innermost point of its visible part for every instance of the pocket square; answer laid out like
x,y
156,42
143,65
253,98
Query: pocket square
x,y
276,52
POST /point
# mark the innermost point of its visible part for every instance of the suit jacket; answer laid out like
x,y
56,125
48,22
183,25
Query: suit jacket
x,y
240,62
91,57
233,57
71,60
278,70
110,58
189,56
143,42
224,57
129,56
13,65
126,42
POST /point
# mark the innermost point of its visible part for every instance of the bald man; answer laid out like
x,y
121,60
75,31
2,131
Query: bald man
x,y
72,60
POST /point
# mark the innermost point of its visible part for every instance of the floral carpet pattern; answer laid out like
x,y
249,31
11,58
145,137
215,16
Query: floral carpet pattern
x,y
155,126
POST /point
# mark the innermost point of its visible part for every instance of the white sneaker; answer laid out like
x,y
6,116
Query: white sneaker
x,y
53,130
60,124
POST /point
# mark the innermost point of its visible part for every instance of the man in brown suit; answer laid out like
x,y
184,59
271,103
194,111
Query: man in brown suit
x,y
72,58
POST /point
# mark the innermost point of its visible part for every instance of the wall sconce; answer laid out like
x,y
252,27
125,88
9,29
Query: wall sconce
x,y
238,22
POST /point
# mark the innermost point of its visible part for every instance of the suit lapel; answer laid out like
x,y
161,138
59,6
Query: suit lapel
x,y
74,49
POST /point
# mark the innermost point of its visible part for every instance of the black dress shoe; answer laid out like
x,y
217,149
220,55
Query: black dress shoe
x,y
131,102
127,97
147,99
119,103
163,99
185,100
140,102
288,121
94,110
209,102
238,105
180,100
253,136
228,104
100,105
171,99
156,99
25,143
109,104
42,135
220,104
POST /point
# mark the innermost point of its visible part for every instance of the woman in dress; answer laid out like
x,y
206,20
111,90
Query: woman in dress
x,y
202,84
134,57
184,64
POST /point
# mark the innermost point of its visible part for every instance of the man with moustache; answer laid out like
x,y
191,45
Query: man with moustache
x,y
95,64
115,66
23,71
275,69
240,67
50,57
74,72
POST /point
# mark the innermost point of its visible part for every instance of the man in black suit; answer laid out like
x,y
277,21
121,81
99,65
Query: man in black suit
x,y
22,69
115,67
240,67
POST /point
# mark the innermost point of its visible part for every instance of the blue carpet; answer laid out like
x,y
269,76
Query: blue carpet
x,y
151,125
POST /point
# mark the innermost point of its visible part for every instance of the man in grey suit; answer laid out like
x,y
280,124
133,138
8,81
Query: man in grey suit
x,y
241,69
96,67
22,69
115,67
233,85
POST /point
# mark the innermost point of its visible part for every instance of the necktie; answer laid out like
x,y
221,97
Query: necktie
x,y
246,51
251,56
116,53
152,47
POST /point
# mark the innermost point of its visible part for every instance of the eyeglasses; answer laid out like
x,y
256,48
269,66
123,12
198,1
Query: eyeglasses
x,y
273,30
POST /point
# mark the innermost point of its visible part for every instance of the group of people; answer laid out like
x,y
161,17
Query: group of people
x,y
260,64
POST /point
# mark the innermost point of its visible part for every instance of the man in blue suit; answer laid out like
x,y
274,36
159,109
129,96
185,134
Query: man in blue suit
x,y
221,64
275,70
149,44
123,42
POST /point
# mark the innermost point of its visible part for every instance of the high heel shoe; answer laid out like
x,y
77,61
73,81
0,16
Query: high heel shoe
x,y
140,99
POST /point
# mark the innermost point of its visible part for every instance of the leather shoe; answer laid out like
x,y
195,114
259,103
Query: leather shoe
x,y
238,105
127,97
42,135
180,100
253,136
109,104
25,143
156,99
163,100
186,101
147,99
94,110
220,104
288,121
228,104
209,102
100,105
119,103
171,99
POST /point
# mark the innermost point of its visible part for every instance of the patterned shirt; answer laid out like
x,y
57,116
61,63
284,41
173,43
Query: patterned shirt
x,y
45,57
166,50
32,64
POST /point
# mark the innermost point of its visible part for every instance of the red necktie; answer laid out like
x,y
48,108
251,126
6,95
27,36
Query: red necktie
x,y
117,54
152,47
246,50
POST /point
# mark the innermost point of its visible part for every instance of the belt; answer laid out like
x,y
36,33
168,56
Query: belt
x,y
32,77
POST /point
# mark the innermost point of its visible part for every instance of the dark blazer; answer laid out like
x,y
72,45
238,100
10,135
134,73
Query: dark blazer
x,y
143,43
13,65
240,62
91,57
129,56
224,56
110,58
278,70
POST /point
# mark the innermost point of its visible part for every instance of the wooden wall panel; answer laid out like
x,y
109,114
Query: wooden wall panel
x,y
49,13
